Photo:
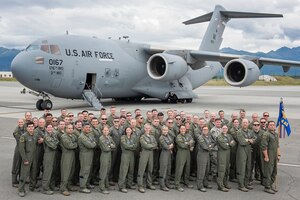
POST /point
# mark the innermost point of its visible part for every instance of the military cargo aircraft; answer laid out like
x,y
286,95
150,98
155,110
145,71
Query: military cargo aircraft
x,y
78,67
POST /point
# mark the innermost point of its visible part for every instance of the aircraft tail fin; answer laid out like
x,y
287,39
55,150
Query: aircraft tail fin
x,y
217,21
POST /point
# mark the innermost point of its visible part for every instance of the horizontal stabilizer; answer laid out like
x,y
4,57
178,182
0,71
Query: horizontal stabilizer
x,y
229,15
233,14
200,19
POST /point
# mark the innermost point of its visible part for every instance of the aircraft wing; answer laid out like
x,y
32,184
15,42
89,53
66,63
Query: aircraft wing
x,y
224,58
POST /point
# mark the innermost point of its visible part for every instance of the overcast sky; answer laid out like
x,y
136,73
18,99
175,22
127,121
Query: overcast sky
x,y
157,22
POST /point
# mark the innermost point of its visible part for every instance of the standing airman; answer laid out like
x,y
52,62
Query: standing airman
x,y
50,146
271,155
68,143
86,143
128,146
107,145
225,142
167,145
27,149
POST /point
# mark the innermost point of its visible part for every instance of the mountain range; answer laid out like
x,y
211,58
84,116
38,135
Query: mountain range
x,y
7,55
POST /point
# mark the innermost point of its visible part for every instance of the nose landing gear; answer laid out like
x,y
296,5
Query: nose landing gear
x,y
41,104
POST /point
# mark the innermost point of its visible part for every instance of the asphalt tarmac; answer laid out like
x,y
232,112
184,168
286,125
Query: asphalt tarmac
x,y
252,99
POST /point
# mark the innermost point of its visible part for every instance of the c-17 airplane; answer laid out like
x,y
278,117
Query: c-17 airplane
x,y
77,67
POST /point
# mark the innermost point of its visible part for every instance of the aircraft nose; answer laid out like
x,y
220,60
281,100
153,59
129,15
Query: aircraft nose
x,y
18,67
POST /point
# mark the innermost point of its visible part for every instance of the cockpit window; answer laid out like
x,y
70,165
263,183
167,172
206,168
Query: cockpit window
x,y
32,47
45,48
54,49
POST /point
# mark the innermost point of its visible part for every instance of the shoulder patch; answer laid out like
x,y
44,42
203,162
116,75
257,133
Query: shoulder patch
x,y
264,136
22,139
48,138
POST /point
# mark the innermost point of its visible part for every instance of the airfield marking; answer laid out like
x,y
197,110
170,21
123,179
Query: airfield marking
x,y
289,165
7,138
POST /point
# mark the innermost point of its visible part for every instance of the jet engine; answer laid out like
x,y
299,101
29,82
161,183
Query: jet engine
x,y
166,67
241,72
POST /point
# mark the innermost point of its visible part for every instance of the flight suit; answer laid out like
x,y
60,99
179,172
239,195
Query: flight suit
x,y
40,133
128,146
203,159
116,154
148,144
136,133
224,145
110,120
224,121
232,173
96,159
27,149
165,160
68,143
75,178
195,151
57,168
172,134
210,124
50,147
86,143
256,160
214,132
183,158
156,132
270,142
243,156
17,159
107,145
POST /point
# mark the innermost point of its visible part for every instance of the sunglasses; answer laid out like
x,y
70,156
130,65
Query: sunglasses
x,y
263,122
71,115
54,121
255,124
104,118
266,115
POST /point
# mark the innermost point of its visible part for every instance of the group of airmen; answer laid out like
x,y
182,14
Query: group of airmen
x,y
130,151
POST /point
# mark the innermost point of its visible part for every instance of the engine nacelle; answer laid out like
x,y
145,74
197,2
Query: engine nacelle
x,y
241,72
166,67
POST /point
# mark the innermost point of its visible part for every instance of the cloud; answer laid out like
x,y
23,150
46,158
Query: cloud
x,y
157,22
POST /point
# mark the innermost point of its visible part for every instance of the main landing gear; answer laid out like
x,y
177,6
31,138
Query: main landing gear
x,y
172,98
41,104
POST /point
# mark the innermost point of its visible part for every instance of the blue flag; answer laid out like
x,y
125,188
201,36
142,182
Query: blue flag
x,y
282,119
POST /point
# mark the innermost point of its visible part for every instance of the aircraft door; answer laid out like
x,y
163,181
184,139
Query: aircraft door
x,y
90,81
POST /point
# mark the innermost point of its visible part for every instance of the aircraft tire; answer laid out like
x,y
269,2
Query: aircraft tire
x,y
189,100
137,99
181,101
39,104
47,104
173,98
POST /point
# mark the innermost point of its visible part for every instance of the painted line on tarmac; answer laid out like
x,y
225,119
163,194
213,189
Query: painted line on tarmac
x,y
7,138
289,165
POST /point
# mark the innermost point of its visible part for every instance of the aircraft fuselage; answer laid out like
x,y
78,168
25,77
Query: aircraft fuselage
x,y
66,65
